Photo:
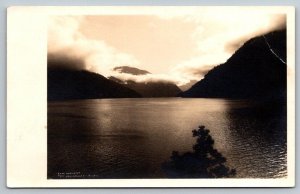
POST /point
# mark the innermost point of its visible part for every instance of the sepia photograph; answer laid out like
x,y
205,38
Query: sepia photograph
x,y
167,96
169,93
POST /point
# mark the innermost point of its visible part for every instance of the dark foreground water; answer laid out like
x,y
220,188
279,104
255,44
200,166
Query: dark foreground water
x,y
131,138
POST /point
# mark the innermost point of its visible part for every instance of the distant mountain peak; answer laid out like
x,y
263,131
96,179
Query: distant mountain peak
x,y
131,70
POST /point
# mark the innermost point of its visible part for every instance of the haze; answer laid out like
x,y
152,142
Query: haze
x,y
173,47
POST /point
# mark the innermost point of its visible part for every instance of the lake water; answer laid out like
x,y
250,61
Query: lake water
x,y
131,138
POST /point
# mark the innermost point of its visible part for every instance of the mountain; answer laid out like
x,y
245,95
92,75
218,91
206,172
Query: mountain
x,y
130,70
112,78
147,88
154,89
255,71
150,89
65,84
188,85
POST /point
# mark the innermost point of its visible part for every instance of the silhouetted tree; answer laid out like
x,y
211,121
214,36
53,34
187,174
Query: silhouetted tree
x,y
204,162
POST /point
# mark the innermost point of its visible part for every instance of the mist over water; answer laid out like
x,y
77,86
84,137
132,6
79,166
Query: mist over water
x,y
131,138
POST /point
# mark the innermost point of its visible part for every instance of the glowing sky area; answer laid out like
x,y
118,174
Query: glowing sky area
x,y
173,47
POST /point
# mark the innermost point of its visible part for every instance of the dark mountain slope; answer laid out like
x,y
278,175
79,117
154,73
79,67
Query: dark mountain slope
x,y
187,85
66,84
150,89
154,89
255,71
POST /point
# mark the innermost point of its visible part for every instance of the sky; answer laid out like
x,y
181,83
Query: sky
x,y
173,47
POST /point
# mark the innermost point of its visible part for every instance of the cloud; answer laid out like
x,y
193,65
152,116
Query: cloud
x,y
62,61
195,68
219,35
228,31
65,41
146,78
276,22
214,34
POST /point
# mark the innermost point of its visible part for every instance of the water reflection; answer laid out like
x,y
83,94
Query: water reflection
x,y
204,162
130,138
258,130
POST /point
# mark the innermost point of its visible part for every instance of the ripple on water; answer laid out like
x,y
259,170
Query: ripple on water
x,y
126,138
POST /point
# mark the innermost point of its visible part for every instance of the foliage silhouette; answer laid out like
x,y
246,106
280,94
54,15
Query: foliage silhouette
x,y
204,162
